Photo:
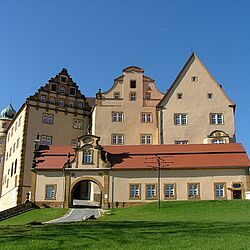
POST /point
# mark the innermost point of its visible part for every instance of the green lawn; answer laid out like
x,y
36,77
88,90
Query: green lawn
x,y
177,225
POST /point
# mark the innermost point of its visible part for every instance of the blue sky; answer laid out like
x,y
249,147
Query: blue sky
x,y
96,39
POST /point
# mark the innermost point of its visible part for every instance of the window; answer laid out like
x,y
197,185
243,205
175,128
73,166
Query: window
x,y
181,142
17,143
193,190
15,168
50,192
117,139
1,159
134,191
179,95
2,140
180,119
210,95
146,139
52,100
12,169
62,89
87,157
150,191
15,126
218,141
133,84
4,125
71,104
146,117
63,79
72,91
12,130
194,78
169,191
19,121
117,116
132,96
219,190
14,147
116,95
216,118
148,95
80,105
48,118
10,152
61,102
43,98
53,87
46,140
7,156
77,124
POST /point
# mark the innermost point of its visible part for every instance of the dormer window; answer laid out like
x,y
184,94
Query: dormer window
x,y
133,84
87,157
63,79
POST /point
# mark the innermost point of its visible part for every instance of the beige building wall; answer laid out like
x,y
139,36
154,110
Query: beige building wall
x,y
13,160
131,127
196,94
181,178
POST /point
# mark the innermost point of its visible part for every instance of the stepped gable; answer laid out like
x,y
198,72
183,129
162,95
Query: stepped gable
x,y
64,78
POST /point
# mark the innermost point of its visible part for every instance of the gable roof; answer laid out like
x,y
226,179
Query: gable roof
x,y
183,72
190,156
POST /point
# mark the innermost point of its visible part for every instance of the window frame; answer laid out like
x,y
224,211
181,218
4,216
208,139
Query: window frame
x,y
87,154
46,140
180,117
116,137
174,192
49,120
146,135
117,116
132,96
216,119
116,95
154,196
135,197
145,116
224,197
193,197
78,124
132,84
53,197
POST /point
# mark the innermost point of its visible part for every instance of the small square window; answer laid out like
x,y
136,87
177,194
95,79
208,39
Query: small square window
x,y
53,87
80,105
48,118
180,119
77,123
87,157
61,103
179,95
133,84
117,139
62,89
146,139
71,104
132,96
43,98
148,95
46,140
63,79
194,78
52,100
116,95
117,116
72,91
210,95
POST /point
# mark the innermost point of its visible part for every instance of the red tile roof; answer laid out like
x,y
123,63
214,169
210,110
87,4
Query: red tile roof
x,y
143,156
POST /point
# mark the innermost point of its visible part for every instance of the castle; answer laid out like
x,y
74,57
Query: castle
x,y
64,148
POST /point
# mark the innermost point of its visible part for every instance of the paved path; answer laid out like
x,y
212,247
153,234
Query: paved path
x,y
77,214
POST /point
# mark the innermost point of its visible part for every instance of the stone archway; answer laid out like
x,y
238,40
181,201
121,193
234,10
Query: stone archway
x,y
86,191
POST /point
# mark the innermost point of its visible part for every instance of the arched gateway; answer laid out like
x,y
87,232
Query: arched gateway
x,y
86,191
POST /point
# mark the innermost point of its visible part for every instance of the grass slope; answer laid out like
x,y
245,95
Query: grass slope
x,y
177,225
